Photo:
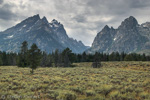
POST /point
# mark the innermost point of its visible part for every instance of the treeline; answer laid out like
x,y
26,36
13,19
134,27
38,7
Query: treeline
x,y
114,56
61,59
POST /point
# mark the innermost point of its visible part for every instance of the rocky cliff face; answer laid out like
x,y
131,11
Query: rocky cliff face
x,y
48,36
128,37
103,39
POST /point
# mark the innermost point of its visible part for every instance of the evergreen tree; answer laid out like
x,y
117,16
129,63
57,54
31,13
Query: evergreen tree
x,y
1,62
128,57
23,55
44,59
11,58
84,57
4,58
143,57
56,58
67,57
34,57
105,57
60,60
79,58
66,60
49,62
72,57
122,56
96,63
112,56
139,57
117,56
90,58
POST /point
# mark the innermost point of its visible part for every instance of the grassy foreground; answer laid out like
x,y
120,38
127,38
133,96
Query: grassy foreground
x,y
114,81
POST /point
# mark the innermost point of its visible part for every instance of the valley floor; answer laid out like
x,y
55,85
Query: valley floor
x,y
113,81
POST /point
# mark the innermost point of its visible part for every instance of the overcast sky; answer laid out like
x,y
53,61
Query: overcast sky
x,y
82,19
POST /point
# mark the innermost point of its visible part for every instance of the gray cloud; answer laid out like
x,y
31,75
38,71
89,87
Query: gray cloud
x,y
83,19
6,13
1,1
80,18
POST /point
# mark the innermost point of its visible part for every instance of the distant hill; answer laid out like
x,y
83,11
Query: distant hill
x,y
48,36
128,37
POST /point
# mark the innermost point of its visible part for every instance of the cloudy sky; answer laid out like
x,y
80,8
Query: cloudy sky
x,y
82,19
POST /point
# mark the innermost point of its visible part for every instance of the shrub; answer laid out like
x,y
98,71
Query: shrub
x,y
52,94
90,93
144,95
99,98
67,95
104,89
77,89
114,94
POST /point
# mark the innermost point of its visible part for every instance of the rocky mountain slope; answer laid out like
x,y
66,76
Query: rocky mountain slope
x,y
128,37
48,36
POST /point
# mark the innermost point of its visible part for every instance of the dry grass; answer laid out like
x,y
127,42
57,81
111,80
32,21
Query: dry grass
x,y
114,81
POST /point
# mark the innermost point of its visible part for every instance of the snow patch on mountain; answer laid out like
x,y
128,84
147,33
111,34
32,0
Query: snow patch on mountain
x,y
9,37
24,25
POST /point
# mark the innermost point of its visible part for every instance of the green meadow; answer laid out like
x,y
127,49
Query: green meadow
x,y
113,81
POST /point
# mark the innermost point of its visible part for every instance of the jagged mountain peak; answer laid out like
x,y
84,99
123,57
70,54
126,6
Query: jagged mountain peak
x,y
112,28
131,19
26,23
35,17
147,24
55,24
129,23
44,19
128,37
47,36
54,21
80,42
105,29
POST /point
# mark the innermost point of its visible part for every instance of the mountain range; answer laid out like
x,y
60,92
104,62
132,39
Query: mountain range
x,y
128,37
47,36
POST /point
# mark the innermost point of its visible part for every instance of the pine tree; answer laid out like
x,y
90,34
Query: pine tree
x,y
49,62
66,60
56,58
60,60
117,56
112,56
1,63
129,57
122,56
68,57
34,57
4,58
84,57
96,63
44,59
23,55
143,57
79,58
12,58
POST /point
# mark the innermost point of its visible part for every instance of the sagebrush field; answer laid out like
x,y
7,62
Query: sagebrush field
x,y
113,81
